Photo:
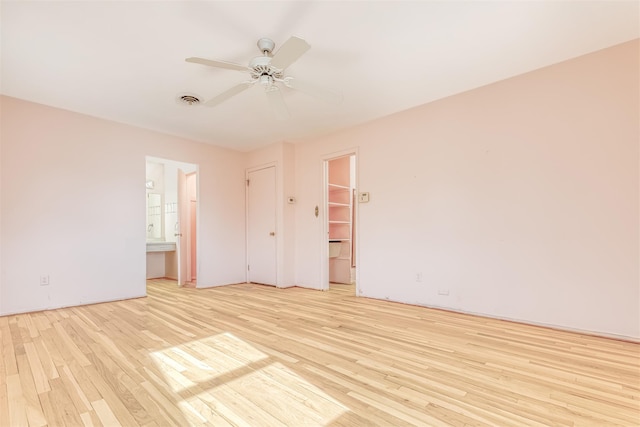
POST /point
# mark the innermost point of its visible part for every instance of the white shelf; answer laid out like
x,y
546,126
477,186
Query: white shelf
x,y
340,217
337,187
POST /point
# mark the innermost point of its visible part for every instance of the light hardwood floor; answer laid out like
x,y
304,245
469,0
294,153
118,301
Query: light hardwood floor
x,y
255,355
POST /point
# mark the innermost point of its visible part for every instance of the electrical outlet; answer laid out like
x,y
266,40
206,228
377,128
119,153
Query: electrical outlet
x,y
44,280
443,291
418,277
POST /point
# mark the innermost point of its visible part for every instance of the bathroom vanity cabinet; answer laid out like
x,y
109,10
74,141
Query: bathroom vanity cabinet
x,y
161,260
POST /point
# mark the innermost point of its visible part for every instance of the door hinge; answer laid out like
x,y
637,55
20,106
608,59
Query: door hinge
x,y
247,183
248,268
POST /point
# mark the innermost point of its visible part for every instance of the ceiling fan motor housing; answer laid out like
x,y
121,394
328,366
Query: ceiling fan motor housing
x,y
261,66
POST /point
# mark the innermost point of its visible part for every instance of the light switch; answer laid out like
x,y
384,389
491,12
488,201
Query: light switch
x,y
363,197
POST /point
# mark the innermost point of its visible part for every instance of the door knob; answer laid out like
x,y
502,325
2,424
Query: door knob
x,y
273,233
178,234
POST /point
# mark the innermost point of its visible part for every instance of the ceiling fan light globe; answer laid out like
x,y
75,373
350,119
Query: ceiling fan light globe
x,y
266,80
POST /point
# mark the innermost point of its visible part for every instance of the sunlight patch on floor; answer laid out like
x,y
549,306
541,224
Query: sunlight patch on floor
x,y
284,395
224,380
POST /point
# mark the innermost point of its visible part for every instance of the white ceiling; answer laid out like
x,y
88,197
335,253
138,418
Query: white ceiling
x,y
124,60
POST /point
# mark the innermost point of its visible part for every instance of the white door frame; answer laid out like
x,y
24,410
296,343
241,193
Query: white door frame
x,y
324,245
277,214
183,230
191,225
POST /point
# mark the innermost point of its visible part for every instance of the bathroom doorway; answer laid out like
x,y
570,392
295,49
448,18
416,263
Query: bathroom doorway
x,y
172,217
340,213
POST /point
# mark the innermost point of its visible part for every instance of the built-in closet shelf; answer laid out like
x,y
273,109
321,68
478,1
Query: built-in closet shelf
x,y
340,216
337,187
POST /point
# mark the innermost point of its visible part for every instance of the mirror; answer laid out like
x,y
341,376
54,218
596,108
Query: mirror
x,y
154,216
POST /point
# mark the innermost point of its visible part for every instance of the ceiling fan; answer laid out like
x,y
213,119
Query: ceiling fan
x,y
268,71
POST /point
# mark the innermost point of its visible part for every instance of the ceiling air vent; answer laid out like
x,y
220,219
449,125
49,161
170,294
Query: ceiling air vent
x,y
189,99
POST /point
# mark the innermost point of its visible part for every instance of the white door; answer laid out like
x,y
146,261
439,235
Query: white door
x,y
261,226
181,233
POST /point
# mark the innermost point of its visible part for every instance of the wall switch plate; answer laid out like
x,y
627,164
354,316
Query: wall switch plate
x,y
363,197
44,280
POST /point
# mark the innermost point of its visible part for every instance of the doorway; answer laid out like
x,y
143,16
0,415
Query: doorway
x,y
340,198
261,226
171,252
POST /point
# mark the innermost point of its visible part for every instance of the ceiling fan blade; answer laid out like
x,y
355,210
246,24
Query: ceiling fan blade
x,y
228,94
289,52
219,64
277,103
327,95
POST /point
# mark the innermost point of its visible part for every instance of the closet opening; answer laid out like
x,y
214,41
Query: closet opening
x,y
340,177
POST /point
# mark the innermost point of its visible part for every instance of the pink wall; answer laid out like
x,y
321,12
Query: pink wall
x,y
519,198
73,207
339,171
